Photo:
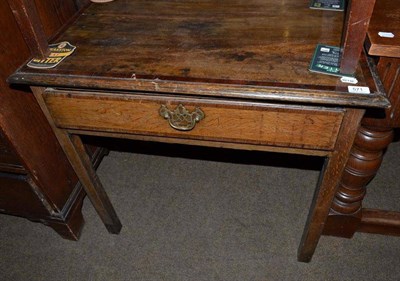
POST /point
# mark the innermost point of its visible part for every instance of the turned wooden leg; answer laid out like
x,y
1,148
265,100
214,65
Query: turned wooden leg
x,y
365,159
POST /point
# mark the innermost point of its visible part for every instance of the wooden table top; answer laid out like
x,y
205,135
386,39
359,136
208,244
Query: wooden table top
x,y
251,48
386,18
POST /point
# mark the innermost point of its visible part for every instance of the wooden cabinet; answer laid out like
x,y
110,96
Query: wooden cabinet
x,y
9,162
36,179
20,196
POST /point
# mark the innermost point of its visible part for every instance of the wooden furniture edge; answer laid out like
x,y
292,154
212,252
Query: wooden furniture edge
x,y
322,201
30,26
358,16
75,152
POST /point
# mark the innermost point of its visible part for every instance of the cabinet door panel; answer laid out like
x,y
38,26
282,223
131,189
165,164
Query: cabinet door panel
x,y
9,162
18,196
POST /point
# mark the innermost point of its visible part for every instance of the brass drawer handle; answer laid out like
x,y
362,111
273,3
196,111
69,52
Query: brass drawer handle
x,y
181,119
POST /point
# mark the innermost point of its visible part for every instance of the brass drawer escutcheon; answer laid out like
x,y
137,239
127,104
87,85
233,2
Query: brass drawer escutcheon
x,y
180,118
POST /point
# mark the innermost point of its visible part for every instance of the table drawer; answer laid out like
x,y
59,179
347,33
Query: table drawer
x,y
224,120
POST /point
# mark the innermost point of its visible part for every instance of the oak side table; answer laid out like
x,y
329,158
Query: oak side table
x,y
231,74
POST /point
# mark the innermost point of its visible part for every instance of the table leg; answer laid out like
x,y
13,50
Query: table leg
x,y
87,175
80,161
328,183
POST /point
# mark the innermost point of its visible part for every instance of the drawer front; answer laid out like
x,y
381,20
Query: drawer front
x,y
9,162
226,121
17,197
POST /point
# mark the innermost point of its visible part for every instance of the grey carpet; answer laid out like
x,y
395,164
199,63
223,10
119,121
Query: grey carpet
x,y
217,215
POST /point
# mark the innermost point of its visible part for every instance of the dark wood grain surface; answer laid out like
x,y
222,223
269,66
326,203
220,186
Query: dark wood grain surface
x,y
55,15
358,16
135,57
191,47
386,18
36,179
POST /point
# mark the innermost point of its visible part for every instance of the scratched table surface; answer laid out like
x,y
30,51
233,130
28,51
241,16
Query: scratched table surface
x,y
250,48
